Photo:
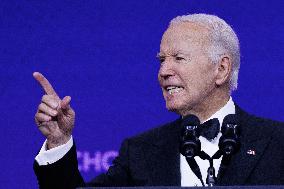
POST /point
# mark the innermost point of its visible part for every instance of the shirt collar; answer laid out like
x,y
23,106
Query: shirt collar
x,y
229,108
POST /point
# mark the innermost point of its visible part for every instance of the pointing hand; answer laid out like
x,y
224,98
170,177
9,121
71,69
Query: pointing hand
x,y
54,117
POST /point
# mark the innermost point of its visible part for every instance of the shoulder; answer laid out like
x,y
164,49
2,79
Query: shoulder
x,y
264,122
267,126
157,134
259,126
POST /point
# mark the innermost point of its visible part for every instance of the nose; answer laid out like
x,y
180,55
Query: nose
x,y
166,70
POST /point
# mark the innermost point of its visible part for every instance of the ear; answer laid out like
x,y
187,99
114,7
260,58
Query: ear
x,y
224,70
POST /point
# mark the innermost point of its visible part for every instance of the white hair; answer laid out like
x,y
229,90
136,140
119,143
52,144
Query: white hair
x,y
222,38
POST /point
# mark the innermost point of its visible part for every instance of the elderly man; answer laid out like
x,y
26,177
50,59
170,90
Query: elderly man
x,y
200,60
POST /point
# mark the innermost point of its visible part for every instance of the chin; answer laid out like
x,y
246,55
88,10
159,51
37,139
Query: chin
x,y
174,107
178,108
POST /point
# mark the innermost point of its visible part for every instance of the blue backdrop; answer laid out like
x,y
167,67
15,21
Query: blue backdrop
x,y
102,54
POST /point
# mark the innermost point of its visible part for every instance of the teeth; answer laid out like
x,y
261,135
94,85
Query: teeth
x,y
171,87
174,89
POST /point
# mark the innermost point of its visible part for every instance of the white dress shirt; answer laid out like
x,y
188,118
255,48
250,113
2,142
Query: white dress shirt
x,y
188,178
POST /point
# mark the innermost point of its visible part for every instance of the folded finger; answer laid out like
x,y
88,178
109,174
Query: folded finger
x,y
41,117
43,108
50,101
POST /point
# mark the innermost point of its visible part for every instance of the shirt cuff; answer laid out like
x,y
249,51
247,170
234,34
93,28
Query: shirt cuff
x,y
46,157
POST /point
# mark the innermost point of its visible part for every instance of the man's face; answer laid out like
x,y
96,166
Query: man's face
x,y
186,75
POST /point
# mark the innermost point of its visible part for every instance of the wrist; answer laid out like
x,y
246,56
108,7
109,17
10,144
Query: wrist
x,y
55,142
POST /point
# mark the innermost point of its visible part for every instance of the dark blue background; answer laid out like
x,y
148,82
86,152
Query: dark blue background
x,y
102,54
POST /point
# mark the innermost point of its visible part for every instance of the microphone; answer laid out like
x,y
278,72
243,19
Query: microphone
x,y
229,142
190,145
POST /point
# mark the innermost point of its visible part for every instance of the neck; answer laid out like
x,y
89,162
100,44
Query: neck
x,y
209,106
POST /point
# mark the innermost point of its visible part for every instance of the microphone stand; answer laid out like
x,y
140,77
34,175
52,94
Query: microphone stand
x,y
211,178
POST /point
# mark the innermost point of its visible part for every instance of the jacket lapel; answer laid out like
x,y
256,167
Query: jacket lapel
x,y
165,163
253,144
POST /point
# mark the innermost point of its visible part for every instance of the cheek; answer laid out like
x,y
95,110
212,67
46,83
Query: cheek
x,y
159,78
199,82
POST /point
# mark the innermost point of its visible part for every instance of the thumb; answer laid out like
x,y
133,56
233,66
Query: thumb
x,y
65,103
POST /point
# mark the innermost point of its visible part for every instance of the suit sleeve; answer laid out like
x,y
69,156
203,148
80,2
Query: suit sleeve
x,y
62,174
65,174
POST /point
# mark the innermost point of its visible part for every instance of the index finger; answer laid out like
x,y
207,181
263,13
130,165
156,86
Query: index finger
x,y
47,87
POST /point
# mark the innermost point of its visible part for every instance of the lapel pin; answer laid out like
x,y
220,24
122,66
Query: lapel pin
x,y
251,152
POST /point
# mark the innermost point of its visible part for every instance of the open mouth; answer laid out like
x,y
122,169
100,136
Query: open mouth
x,y
173,89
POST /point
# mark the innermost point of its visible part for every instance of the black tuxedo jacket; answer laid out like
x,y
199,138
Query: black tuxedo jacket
x,y
153,159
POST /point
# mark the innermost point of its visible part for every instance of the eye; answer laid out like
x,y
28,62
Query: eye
x,y
179,58
161,58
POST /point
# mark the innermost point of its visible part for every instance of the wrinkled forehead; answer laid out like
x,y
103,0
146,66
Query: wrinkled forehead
x,y
184,34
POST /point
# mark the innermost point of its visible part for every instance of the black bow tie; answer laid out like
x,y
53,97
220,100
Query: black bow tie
x,y
209,129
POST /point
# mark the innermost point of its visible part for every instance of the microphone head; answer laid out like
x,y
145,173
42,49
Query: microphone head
x,y
190,120
190,145
229,142
230,122
230,119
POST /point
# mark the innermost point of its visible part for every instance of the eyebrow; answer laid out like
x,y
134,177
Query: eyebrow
x,y
182,52
159,54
